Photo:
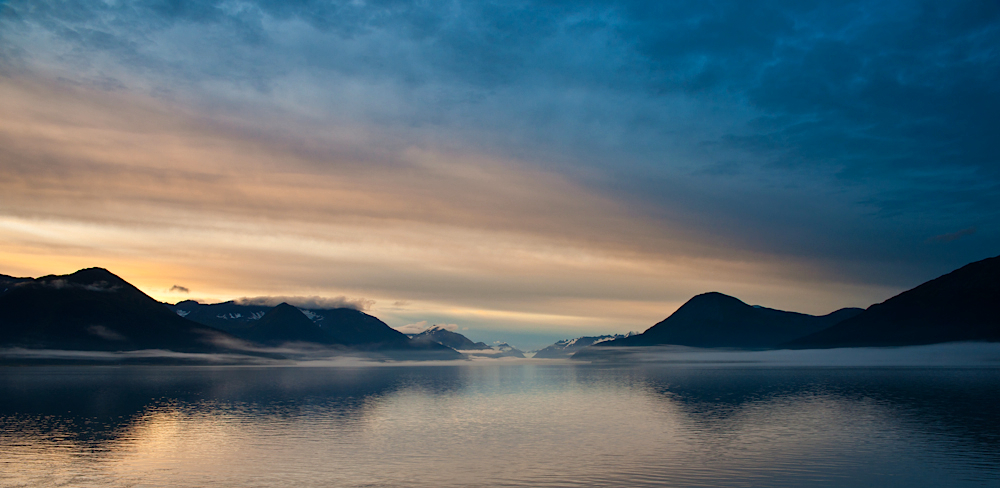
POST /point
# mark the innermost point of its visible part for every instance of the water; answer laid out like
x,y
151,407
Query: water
x,y
522,424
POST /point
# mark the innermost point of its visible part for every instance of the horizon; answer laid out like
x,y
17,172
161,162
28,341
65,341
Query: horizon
x,y
518,171
530,342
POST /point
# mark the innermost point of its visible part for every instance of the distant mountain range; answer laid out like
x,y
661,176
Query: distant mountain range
x,y
285,323
454,340
458,342
95,310
566,348
505,350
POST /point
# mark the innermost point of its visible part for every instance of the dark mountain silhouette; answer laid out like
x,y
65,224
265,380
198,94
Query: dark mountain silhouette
x,y
963,305
355,328
454,340
93,309
566,348
717,320
285,323
344,327
228,316
8,281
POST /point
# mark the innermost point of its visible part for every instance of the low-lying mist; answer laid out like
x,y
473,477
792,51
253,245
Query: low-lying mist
x,y
959,354
950,354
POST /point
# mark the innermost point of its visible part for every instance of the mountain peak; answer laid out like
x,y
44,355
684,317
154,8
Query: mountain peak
x,y
94,275
715,299
284,307
285,323
565,348
94,309
286,312
93,279
448,338
717,320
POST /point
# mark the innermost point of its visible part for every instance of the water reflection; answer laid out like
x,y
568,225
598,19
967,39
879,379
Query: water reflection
x,y
861,422
498,425
953,403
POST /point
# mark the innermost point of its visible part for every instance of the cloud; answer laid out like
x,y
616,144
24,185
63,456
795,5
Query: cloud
x,y
418,327
99,286
144,354
105,333
179,289
359,304
954,236
950,354
414,328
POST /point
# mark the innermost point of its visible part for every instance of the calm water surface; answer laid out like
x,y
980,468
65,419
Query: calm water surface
x,y
514,424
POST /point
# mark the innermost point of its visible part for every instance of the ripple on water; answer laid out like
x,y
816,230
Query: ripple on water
x,y
499,425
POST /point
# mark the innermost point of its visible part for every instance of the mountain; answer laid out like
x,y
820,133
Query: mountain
x,y
355,328
228,316
458,342
566,348
963,305
717,320
344,327
454,340
8,281
505,350
93,309
285,323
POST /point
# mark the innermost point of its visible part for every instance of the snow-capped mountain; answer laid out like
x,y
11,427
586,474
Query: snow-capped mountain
x,y
464,345
334,326
507,350
566,348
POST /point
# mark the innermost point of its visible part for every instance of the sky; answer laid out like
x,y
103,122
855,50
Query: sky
x,y
520,171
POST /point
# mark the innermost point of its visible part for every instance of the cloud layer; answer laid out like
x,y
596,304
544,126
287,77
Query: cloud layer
x,y
314,303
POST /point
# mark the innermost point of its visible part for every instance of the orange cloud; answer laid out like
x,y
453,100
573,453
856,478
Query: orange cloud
x,y
231,208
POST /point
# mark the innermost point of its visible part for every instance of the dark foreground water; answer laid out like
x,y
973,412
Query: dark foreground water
x,y
488,424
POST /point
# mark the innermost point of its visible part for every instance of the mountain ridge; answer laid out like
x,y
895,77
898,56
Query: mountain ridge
x,y
336,327
963,305
284,324
714,320
449,338
458,342
94,309
567,347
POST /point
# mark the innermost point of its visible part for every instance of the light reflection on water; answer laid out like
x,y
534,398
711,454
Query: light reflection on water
x,y
507,424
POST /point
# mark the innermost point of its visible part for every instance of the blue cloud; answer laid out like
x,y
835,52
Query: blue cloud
x,y
848,131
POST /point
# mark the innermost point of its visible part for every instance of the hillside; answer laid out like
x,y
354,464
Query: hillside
x,y
717,320
963,305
